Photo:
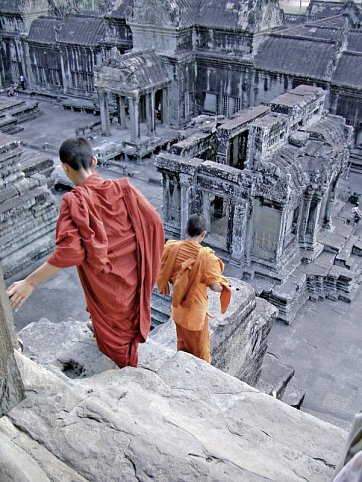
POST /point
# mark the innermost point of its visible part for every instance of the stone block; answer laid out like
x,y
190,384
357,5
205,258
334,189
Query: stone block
x,y
11,385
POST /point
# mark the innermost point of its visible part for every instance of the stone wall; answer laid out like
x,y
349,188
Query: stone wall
x,y
27,208
180,419
11,385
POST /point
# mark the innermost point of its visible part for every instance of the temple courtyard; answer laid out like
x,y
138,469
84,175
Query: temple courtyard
x,y
323,344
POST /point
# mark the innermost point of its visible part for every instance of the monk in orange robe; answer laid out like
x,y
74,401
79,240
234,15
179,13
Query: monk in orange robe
x,y
191,269
115,238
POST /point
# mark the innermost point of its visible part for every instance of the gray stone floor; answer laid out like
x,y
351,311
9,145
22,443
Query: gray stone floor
x,y
324,344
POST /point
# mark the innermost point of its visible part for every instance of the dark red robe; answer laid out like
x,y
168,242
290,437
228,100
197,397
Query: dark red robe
x,y
115,237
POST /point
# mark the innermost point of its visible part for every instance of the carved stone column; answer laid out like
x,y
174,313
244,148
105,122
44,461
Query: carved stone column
x,y
134,118
165,107
327,222
281,237
238,229
122,119
150,113
11,385
312,227
104,108
186,186
305,215
64,74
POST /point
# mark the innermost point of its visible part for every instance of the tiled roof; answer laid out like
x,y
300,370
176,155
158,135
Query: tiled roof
x,y
305,57
324,9
355,41
130,72
349,70
217,13
82,30
42,30
313,31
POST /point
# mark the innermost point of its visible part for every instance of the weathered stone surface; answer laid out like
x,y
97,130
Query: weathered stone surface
x,y
188,421
238,340
11,385
75,354
268,193
27,208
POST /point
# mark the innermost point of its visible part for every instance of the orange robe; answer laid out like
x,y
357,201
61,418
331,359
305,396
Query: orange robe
x,y
191,269
115,238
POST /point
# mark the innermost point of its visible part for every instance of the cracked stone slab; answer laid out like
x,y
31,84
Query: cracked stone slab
x,y
187,421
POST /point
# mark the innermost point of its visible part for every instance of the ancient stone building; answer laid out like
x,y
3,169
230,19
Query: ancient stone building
x,y
27,209
220,56
15,22
266,181
139,83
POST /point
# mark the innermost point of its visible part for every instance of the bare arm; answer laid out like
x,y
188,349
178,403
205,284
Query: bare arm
x,y
20,291
216,287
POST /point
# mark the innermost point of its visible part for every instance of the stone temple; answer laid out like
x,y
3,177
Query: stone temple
x,y
209,57
266,181
245,113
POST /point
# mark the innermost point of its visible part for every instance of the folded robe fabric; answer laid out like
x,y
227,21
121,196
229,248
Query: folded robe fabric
x,y
191,268
115,238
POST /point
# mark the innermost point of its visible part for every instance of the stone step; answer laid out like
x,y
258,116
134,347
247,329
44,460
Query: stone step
x,y
357,247
289,296
160,308
274,377
294,394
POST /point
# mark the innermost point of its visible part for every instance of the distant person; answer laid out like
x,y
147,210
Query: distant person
x,y
115,237
10,91
191,269
357,214
15,87
22,82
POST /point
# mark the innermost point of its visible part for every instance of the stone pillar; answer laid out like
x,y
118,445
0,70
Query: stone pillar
x,y
104,108
122,118
150,113
238,227
186,185
64,74
312,226
165,108
11,385
281,237
305,215
134,118
327,222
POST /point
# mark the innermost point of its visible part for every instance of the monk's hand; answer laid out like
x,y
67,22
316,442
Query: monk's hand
x,y
19,292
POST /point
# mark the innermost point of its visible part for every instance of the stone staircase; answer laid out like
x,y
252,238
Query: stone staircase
x,y
335,274
160,308
14,111
278,381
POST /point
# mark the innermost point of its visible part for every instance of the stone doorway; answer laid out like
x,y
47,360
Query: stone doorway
x,y
218,218
238,150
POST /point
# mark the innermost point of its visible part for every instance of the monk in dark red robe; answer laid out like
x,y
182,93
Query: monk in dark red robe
x,y
115,238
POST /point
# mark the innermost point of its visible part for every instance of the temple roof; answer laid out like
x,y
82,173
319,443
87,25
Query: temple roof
x,y
355,41
314,31
298,56
241,14
134,71
42,30
81,30
349,70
